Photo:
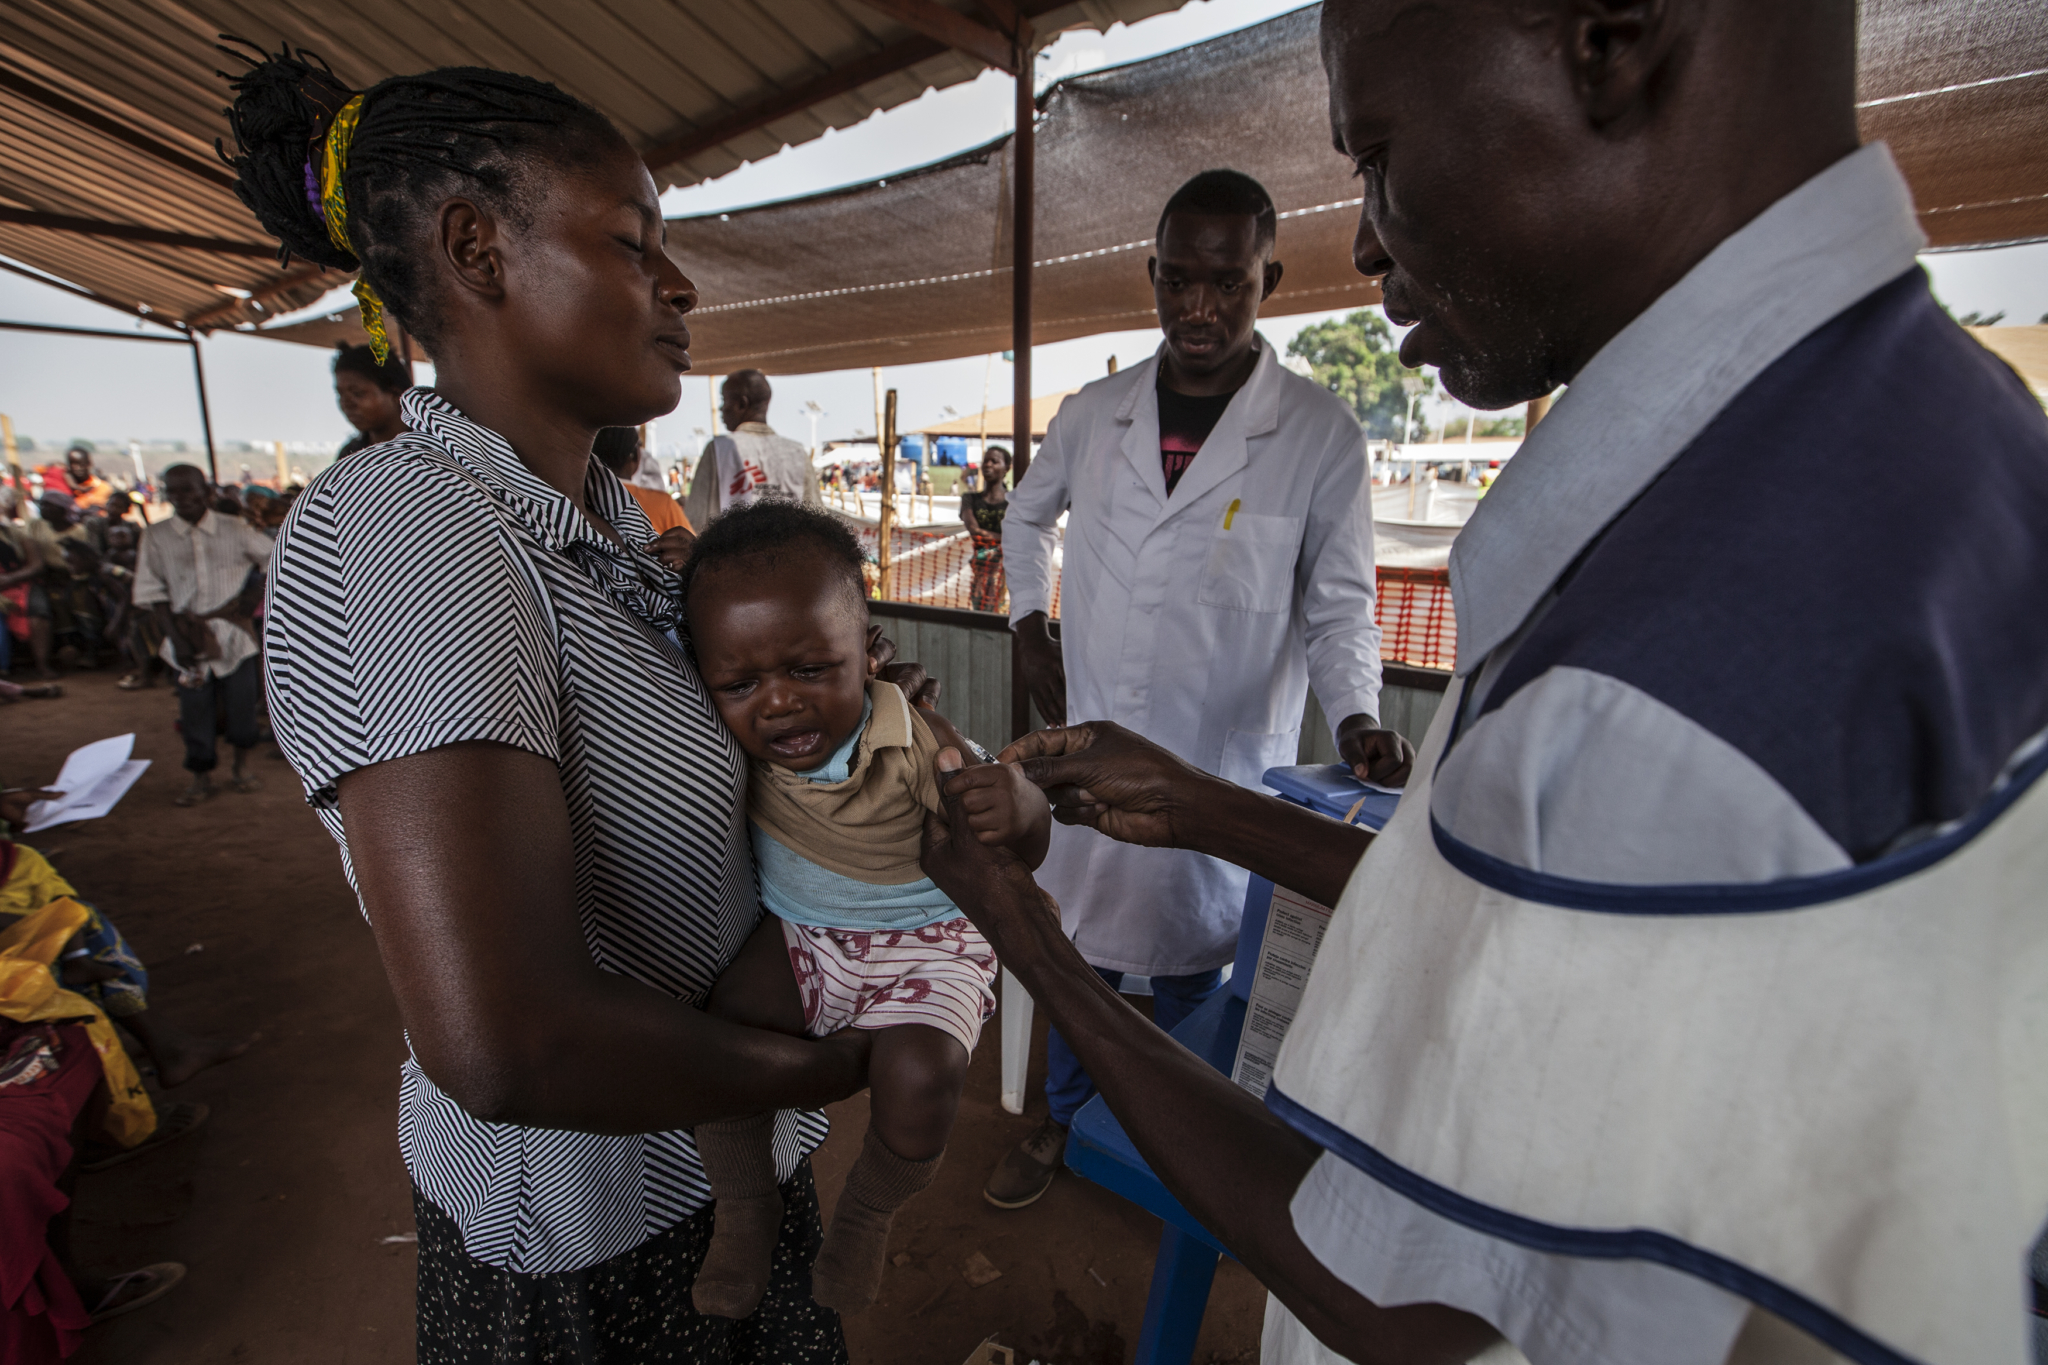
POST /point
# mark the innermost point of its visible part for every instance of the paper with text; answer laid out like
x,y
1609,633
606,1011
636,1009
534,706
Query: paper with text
x,y
1294,932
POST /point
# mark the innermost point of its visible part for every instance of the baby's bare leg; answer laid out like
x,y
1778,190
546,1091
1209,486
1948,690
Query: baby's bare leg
x,y
759,991
915,1077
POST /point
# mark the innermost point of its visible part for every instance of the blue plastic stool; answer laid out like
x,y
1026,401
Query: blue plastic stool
x,y
1185,1267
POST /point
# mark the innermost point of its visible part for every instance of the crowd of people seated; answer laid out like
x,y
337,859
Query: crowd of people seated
x,y
68,559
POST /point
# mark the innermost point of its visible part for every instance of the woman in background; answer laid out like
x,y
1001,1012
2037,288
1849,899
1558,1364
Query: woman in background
x,y
983,514
368,395
619,450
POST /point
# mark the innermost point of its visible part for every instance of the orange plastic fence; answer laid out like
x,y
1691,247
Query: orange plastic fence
x,y
1418,625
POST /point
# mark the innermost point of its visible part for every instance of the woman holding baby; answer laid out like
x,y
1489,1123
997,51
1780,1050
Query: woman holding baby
x,y
483,678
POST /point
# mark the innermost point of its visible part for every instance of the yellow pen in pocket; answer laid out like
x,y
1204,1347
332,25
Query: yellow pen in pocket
x,y
1231,511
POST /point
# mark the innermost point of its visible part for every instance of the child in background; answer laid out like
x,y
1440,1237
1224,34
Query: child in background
x,y
857,936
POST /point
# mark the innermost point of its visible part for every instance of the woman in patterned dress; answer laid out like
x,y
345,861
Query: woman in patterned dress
x,y
982,512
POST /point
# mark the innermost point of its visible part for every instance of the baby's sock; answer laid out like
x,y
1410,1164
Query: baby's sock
x,y
739,1161
848,1274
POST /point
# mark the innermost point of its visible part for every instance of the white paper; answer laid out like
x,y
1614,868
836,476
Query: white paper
x,y
1294,934
93,781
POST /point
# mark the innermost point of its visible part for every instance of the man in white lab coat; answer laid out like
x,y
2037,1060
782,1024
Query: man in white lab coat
x,y
1218,559
750,461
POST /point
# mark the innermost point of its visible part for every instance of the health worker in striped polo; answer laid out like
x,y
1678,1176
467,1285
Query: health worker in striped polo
x,y
475,665
1690,1009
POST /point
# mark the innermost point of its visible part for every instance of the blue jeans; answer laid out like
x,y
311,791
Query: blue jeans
x,y
1174,998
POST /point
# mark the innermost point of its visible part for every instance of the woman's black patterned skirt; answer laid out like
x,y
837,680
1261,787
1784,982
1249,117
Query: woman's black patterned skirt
x,y
631,1309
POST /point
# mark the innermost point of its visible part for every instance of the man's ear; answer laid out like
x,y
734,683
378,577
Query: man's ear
x,y
1152,269
1271,280
1617,49
471,247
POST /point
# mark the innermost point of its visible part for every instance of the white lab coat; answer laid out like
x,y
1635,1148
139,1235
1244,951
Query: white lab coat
x,y
1197,621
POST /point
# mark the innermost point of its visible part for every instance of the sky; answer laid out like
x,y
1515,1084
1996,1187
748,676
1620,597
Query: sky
x,y
59,388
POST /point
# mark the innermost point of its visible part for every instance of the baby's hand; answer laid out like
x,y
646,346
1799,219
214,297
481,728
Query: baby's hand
x,y
1004,807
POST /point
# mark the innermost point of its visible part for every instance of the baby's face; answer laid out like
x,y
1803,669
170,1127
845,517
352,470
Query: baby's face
x,y
783,649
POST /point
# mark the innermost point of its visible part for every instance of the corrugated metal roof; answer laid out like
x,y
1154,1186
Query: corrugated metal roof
x,y
109,108
917,267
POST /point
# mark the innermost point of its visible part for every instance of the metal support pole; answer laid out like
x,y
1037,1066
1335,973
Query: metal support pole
x,y
1022,205
205,414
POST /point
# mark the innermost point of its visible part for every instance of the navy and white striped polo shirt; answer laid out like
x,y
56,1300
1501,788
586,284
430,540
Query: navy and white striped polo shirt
x,y
1688,1010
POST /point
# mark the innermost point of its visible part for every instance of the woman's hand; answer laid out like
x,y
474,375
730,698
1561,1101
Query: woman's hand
x,y
1101,775
919,687
15,801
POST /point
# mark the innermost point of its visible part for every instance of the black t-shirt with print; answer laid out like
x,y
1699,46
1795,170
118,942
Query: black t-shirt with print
x,y
1184,423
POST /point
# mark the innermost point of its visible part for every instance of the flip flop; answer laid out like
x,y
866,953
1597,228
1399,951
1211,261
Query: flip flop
x,y
172,1122
133,682
195,796
159,1279
245,784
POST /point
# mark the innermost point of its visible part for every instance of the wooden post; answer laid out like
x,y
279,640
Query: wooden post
x,y
205,414
1024,151
13,458
1534,413
284,470
887,529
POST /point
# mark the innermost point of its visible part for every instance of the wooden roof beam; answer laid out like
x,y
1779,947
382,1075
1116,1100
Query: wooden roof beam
x,y
134,232
841,80
113,128
262,294
954,29
886,61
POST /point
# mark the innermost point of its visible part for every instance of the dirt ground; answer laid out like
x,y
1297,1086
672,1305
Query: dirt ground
x,y
282,1206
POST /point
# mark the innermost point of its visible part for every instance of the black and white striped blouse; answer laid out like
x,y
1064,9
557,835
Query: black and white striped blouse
x,y
432,590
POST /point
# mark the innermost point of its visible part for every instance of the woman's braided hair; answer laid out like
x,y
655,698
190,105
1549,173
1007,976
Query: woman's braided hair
x,y
490,135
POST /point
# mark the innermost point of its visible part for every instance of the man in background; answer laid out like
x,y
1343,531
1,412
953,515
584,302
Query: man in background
x,y
201,575
1218,559
69,558
88,490
751,461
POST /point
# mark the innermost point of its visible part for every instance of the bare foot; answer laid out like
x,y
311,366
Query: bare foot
x,y
179,1056
178,1062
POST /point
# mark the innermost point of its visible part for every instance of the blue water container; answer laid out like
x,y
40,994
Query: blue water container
x,y
1327,789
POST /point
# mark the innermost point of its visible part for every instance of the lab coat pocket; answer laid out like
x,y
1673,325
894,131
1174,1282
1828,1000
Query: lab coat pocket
x,y
1251,562
1249,754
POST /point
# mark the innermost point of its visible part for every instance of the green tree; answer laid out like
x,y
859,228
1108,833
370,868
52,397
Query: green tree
x,y
1354,358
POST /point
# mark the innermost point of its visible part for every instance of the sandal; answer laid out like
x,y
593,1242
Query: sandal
x,y
133,682
244,783
145,1286
173,1122
195,795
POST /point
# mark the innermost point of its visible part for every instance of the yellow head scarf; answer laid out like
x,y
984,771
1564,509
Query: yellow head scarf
x,y
334,212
